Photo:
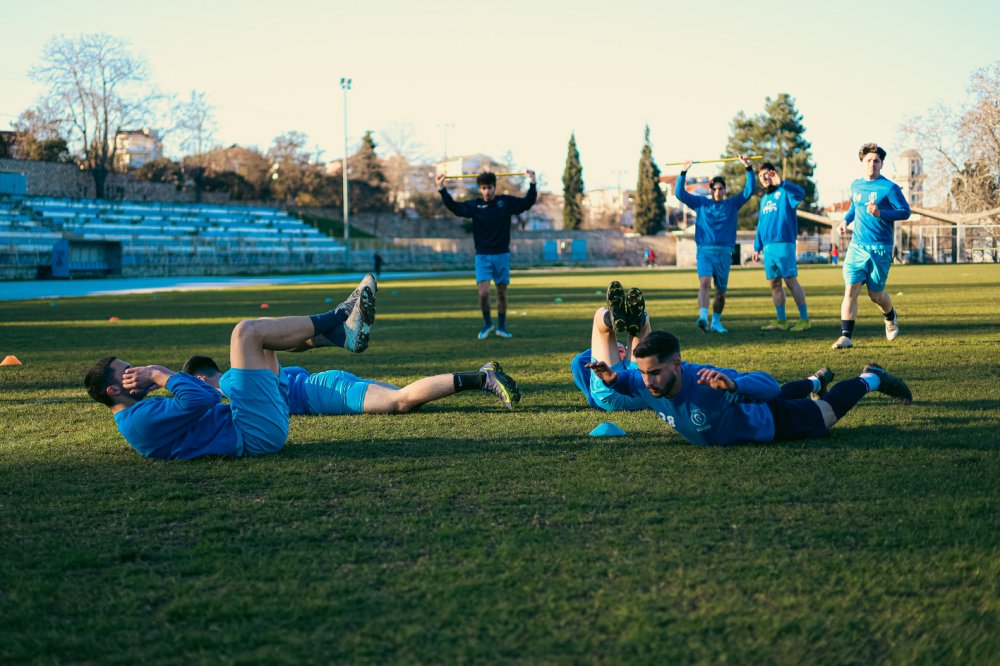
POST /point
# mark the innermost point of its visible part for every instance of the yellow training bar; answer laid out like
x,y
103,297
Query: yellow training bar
x,y
724,159
498,175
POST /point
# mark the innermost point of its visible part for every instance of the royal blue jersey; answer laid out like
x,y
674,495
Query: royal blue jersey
x,y
777,221
715,221
708,417
491,219
192,424
868,229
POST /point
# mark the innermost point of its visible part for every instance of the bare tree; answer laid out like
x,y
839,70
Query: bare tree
x,y
404,153
99,88
194,121
962,146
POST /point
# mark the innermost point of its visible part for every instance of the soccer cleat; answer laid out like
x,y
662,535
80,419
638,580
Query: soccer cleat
x,y
703,325
358,326
717,327
776,325
502,333
616,305
843,342
500,384
891,327
485,333
891,385
635,307
800,325
825,377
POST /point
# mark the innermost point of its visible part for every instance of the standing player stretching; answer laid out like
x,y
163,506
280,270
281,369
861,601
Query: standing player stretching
x,y
491,232
876,204
715,236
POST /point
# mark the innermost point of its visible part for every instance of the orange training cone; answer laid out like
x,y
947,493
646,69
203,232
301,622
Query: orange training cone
x,y
264,306
113,319
10,360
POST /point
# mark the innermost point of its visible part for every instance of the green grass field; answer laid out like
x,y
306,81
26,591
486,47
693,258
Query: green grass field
x,y
464,533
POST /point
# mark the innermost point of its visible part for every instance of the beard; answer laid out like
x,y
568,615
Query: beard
x,y
665,391
770,189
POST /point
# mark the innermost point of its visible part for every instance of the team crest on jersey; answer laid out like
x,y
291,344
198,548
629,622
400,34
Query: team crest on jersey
x,y
777,195
698,418
871,198
500,204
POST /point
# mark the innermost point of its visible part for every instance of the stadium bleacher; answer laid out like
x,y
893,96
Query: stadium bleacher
x,y
155,238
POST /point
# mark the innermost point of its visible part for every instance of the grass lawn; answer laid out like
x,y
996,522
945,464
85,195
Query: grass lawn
x,y
464,533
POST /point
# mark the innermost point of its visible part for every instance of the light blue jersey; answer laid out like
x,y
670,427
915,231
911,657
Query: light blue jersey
x,y
777,221
868,230
191,424
715,221
707,417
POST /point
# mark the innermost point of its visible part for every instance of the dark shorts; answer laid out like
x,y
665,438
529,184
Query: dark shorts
x,y
797,419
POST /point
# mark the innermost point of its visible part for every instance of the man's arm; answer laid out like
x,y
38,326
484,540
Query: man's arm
x,y
795,193
192,398
459,209
521,204
898,208
744,387
692,201
749,186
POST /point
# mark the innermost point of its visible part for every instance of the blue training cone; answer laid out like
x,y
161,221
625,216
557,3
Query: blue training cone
x,y
607,430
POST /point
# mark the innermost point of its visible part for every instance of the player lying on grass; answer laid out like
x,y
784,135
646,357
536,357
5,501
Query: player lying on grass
x,y
338,392
720,406
625,313
194,422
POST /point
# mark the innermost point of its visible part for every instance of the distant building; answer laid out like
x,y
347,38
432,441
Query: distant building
x,y
466,164
910,176
611,207
698,186
133,148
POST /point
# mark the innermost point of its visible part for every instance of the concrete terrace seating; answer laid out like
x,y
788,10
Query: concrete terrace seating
x,y
177,234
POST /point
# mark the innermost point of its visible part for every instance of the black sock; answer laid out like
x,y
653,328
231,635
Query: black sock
x,y
607,320
847,327
845,395
487,319
891,315
327,322
468,381
800,388
502,321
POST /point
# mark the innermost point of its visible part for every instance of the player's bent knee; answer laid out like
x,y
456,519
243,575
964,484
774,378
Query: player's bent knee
x,y
244,332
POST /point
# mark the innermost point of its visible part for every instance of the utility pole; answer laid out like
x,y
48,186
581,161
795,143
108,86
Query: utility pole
x,y
345,84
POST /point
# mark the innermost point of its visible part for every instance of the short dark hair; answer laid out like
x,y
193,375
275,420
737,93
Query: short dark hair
x,y
486,178
766,166
718,179
197,365
97,380
871,148
660,344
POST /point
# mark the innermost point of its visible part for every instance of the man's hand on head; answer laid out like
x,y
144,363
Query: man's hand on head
x,y
715,379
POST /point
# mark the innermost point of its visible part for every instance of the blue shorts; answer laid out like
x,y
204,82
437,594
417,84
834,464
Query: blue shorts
x,y
611,400
494,267
798,418
335,392
779,261
259,402
715,261
868,264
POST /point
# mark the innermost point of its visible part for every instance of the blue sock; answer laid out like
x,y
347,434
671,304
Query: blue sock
x,y
780,309
329,323
502,321
716,318
803,311
703,313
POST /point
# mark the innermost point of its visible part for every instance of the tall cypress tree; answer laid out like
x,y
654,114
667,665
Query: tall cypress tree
x,y
572,187
650,209
778,135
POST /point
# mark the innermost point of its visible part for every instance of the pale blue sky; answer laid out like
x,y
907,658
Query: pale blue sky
x,y
519,76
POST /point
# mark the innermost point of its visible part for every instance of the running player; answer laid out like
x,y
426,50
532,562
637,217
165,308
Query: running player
x,y
876,204
777,228
715,236
490,216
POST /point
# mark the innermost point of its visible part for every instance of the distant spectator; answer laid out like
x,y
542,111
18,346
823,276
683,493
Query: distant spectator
x,y
377,260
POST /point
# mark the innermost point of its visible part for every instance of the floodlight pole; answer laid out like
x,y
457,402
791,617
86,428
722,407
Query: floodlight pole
x,y
345,84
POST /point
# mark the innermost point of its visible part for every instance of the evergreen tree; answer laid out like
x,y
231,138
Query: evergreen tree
x,y
650,209
369,186
572,187
778,135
